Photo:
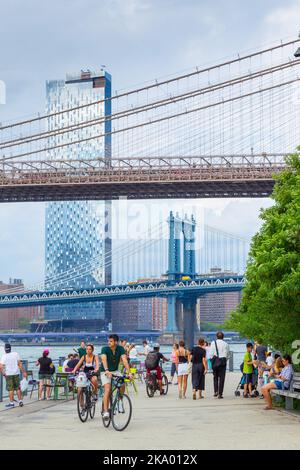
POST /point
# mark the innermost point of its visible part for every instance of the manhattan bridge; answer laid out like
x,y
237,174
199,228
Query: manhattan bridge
x,y
217,131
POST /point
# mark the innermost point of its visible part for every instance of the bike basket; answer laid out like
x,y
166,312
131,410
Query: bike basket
x,y
82,381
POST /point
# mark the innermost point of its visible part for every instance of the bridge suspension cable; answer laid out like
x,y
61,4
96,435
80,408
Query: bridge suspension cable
x,y
157,84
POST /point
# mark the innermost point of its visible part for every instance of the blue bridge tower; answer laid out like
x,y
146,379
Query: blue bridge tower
x,y
182,229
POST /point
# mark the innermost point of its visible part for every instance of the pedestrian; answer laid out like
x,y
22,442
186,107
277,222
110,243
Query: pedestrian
x,y
174,366
199,368
45,373
183,368
82,350
220,355
208,355
248,371
146,349
11,366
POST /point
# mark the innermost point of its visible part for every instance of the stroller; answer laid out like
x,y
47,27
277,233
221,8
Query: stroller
x,y
241,383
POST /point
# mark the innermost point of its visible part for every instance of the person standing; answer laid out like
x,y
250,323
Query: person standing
x,y
82,350
174,359
248,371
183,370
10,367
45,373
220,355
199,369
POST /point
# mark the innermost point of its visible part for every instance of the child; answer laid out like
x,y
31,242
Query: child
x,y
248,371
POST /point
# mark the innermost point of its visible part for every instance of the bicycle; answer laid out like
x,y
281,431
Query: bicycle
x,y
152,383
120,410
86,404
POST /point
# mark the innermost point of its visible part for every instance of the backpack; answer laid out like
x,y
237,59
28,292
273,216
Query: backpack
x,y
152,360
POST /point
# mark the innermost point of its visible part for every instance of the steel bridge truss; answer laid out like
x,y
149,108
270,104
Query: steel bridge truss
x,y
194,288
140,178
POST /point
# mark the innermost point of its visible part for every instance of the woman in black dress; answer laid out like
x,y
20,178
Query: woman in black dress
x,y
199,368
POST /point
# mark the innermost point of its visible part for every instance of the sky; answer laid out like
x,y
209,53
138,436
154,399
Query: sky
x,y
137,41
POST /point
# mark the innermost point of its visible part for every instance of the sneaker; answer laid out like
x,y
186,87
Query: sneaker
x,y
220,397
21,403
105,415
215,395
10,405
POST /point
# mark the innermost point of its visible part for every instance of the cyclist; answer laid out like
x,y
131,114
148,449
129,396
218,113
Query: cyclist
x,y
111,355
152,362
90,364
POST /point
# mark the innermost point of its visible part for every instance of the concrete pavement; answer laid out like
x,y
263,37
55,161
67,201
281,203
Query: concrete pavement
x,y
157,423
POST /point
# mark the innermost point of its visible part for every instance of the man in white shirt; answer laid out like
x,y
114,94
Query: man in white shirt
x,y
146,349
220,354
10,367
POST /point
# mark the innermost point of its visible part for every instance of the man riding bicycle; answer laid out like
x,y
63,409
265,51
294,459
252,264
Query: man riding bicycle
x,y
152,363
111,355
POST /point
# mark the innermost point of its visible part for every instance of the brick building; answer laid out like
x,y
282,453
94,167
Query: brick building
x,y
11,318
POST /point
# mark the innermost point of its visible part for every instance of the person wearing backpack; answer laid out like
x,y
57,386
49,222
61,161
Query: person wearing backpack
x,y
220,355
152,362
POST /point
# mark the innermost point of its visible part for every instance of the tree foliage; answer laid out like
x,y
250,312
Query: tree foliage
x,y
270,306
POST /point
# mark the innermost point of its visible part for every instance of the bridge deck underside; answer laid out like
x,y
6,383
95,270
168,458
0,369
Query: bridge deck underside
x,y
85,188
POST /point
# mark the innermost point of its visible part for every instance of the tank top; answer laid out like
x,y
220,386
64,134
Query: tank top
x,y
182,359
89,366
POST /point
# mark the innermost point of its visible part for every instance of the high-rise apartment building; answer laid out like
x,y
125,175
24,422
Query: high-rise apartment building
x,y
78,244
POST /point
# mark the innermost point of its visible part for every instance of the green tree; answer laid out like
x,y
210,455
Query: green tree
x,y
270,306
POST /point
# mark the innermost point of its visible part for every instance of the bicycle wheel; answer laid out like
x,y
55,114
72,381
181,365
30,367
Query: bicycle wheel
x,y
82,406
165,384
92,409
106,422
150,389
121,412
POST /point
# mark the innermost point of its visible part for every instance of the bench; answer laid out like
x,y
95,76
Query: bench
x,y
292,394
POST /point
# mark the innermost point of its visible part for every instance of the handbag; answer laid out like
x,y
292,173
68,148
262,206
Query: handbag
x,y
218,361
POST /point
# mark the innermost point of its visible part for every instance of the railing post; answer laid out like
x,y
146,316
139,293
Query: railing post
x,y
231,364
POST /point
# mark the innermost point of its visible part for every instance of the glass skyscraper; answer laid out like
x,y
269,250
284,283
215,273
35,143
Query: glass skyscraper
x,y
78,247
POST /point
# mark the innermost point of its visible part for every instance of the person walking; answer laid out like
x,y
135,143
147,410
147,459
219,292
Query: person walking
x,y
220,355
10,367
45,373
183,371
199,368
174,359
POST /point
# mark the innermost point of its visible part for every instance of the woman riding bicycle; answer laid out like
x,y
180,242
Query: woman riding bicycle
x,y
90,364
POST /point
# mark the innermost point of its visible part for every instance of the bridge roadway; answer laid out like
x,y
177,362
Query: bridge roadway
x,y
197,287
158,423
140,178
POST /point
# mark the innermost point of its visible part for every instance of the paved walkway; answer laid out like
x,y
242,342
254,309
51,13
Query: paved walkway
x,y
157,423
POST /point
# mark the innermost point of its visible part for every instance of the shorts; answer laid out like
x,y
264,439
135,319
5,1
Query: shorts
x,y
45,376
183,369
248,378
279,384
12,383
107,380
158,372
